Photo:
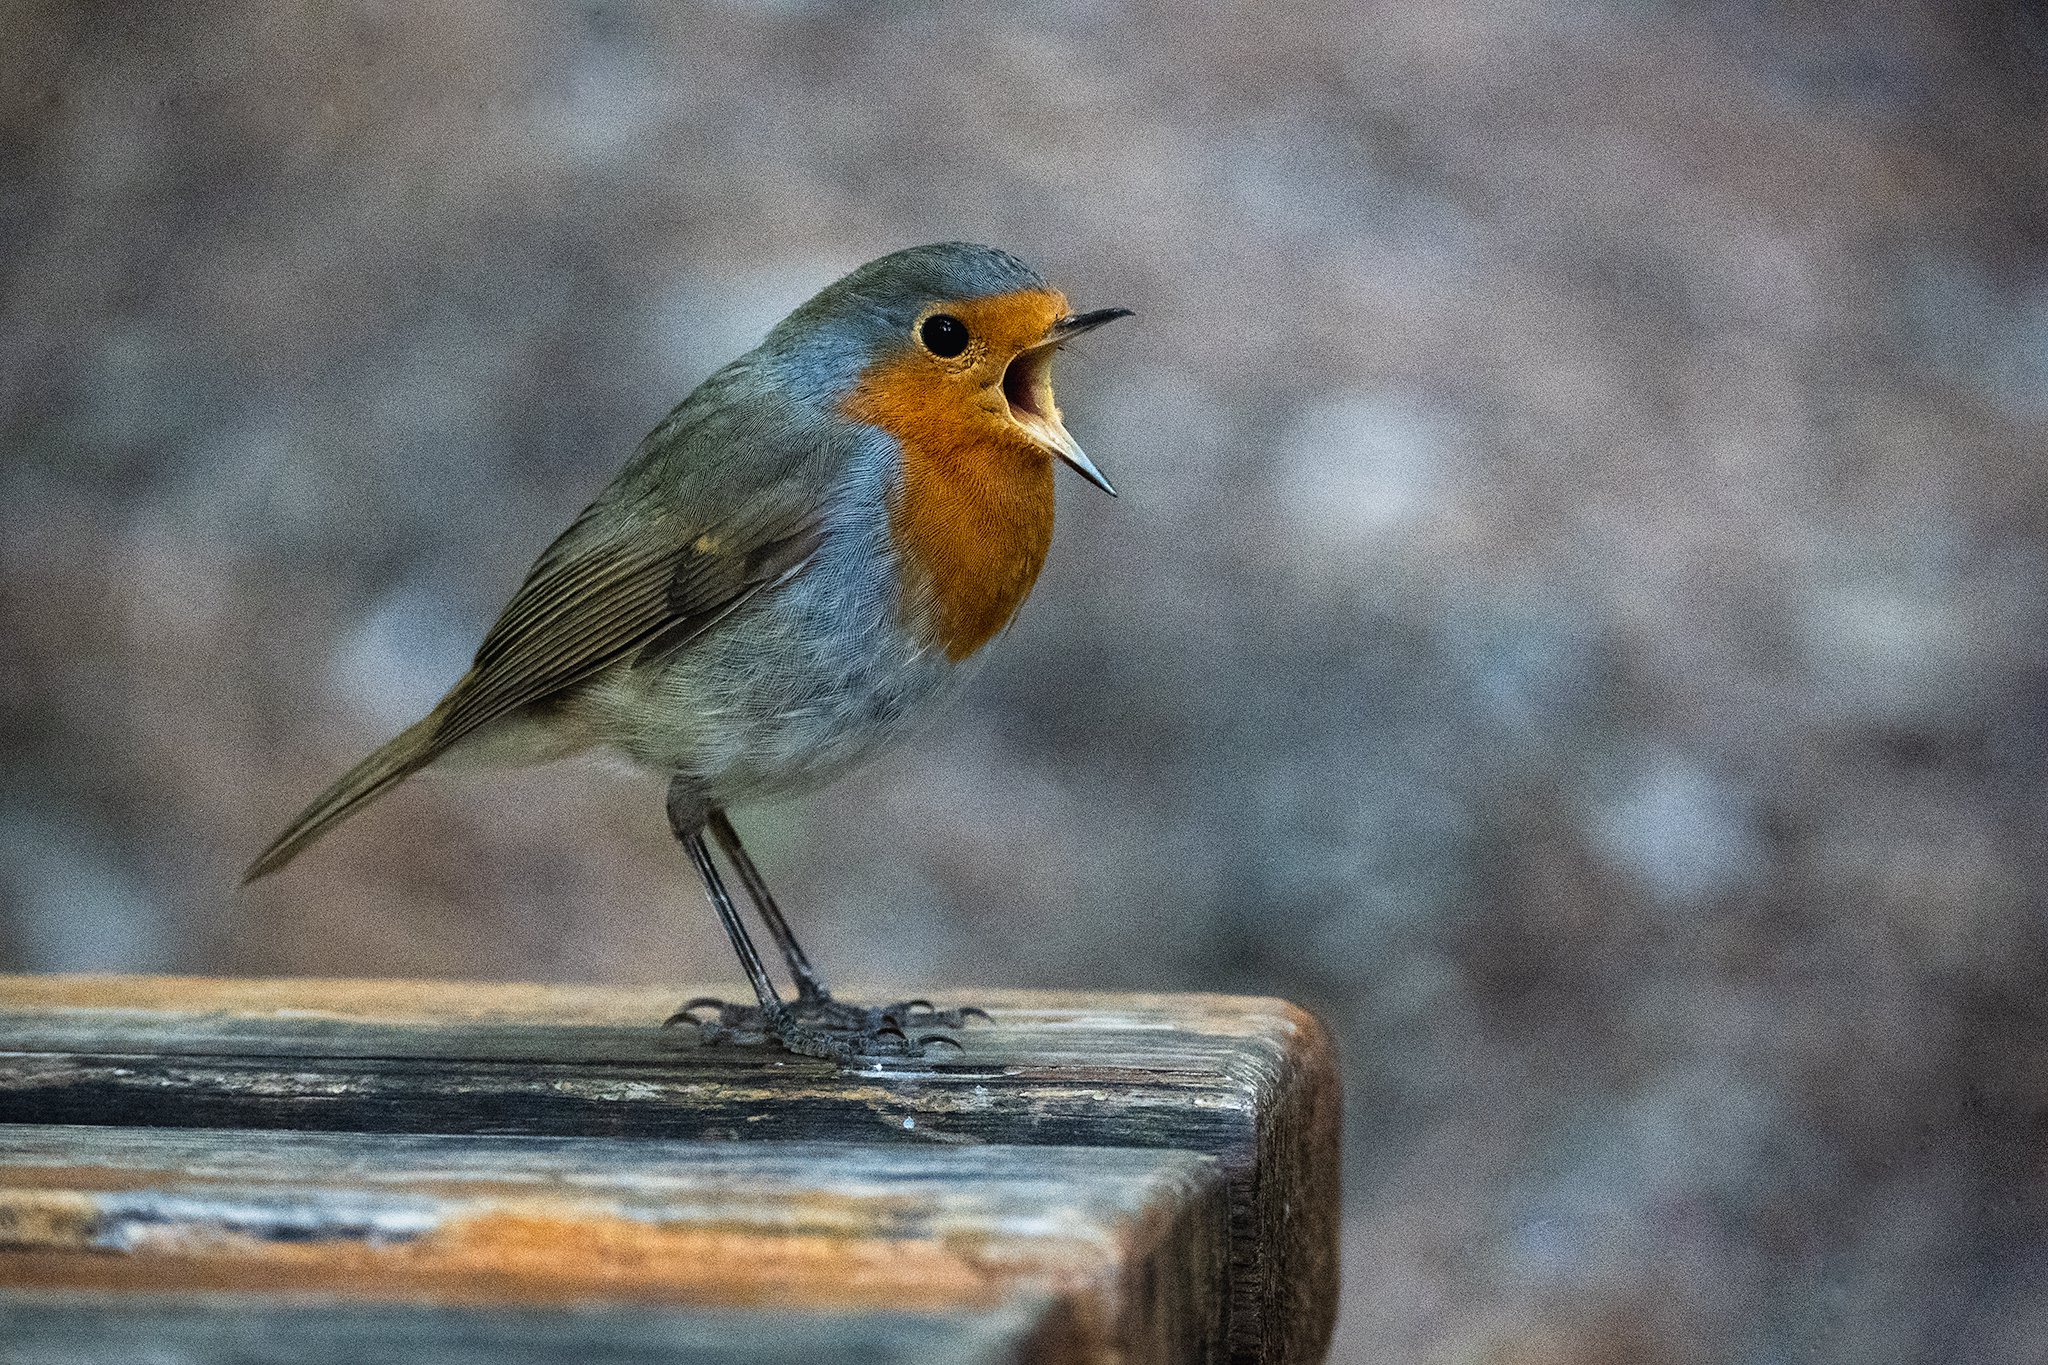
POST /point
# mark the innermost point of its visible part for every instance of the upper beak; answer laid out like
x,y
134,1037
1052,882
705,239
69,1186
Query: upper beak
x,y
1075,324
1034,395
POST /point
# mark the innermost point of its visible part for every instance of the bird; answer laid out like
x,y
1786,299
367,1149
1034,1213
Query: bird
x,y
799,564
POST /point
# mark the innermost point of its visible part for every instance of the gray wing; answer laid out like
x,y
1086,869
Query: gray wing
x,y
723,501
719,505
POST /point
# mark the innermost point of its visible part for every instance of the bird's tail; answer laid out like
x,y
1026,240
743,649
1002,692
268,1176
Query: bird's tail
x,y
397,760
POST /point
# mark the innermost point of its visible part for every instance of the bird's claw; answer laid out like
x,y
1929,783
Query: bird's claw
x,y
686,1015
819,1026
907,1013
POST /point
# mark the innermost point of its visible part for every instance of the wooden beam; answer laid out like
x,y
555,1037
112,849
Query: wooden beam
x,y
1248,1084
1119,1250
71,1328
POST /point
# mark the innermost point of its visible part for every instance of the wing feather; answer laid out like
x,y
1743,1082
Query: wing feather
x,y
620,594
722,502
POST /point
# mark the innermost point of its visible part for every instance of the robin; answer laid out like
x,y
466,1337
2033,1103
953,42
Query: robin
x,y
797,565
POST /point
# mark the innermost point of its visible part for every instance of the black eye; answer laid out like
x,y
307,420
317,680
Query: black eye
x,y
943,335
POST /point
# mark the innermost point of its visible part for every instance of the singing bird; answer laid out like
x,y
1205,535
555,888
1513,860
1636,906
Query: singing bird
x,y
796,566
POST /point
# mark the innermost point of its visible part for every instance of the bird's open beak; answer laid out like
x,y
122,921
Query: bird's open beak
x,y
1027,384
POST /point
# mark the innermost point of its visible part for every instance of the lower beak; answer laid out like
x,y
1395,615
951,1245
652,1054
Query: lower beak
x,y
1029,389
1070,450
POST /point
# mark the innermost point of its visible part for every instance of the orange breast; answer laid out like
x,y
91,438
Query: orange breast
x,y
972,510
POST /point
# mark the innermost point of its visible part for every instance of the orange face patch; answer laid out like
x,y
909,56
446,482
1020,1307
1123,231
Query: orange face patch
x,y
972,512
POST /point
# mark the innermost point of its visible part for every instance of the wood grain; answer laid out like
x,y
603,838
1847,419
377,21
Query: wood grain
x,y
1127,1245
71,1328
1247,1084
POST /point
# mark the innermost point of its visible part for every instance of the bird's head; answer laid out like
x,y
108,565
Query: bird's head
x,y
942,345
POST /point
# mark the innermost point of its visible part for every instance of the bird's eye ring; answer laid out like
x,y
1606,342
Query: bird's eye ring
x,y
944,335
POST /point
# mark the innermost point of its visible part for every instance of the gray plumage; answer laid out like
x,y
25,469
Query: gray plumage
x,y
724,611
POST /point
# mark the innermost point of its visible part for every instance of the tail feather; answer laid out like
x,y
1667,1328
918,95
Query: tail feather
x,y
397,760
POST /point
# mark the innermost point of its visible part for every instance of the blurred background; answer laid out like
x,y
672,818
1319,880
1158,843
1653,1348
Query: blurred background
x,y
1574,619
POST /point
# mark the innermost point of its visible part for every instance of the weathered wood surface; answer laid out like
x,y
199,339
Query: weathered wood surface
x,y
1246,1084
1120,1249
68,1328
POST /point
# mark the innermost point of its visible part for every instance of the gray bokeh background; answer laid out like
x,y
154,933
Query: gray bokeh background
x,y
1575,616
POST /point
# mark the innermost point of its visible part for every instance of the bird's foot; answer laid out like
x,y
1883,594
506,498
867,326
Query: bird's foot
x,y
816,1025
908,1016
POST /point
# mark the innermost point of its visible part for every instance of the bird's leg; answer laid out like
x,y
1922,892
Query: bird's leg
x,y
750,959
818,1031
731,1019
810,991
814,1024
813,1001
